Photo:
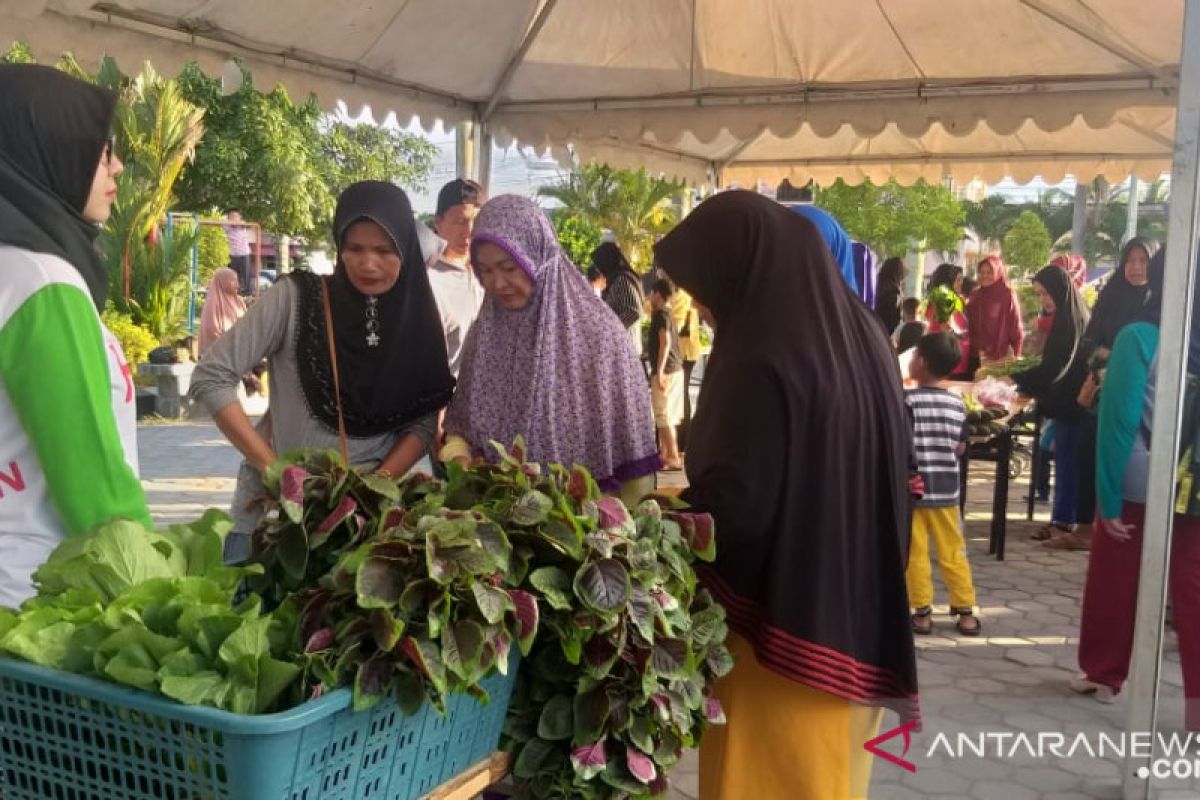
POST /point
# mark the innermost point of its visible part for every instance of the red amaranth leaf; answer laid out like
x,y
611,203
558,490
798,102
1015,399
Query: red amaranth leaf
x,y
641,766
320,640
589,760
339,515
527,618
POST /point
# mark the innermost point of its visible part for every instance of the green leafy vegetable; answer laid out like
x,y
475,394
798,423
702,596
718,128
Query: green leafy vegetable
x,y
156,612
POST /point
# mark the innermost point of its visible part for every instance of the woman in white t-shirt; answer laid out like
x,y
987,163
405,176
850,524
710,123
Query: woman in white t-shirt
x,y
68,459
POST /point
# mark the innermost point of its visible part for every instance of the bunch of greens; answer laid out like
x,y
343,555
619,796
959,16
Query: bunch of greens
x,y
1002,369
404,598
420,589
619,678
156,611
945,302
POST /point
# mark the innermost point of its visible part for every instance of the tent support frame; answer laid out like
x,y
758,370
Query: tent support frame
x,y
1181,273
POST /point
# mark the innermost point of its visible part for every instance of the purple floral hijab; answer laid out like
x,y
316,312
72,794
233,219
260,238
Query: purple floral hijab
x,y
560,372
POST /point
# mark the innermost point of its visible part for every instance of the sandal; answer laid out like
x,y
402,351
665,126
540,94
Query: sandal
x,y
1047,531
922,621
1075,540
963,615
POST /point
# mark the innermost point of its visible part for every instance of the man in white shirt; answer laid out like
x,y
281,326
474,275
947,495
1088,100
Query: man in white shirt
x,y
458,292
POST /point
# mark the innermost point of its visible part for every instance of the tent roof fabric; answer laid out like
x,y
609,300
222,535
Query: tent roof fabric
x,y
750,90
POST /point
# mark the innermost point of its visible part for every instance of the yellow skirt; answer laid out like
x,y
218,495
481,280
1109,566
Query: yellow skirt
x,y
784,740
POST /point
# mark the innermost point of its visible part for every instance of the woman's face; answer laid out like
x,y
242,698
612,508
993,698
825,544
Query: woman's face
x,y
958,284
502,277
1044,296
369,254
1137,267
104,187
987,274
227,281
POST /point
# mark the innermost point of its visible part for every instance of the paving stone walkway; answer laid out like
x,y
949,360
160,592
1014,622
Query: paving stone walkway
x,y
1011,680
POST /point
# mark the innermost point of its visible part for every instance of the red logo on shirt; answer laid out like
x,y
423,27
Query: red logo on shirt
x,y
126,372
904,730
13,478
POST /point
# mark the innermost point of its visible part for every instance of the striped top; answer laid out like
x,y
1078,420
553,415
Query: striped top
x,y
624,297
239,239
939,427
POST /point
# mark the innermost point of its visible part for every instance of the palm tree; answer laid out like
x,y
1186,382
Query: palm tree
x,y
990,219
1057,210
631,204
157,132
588,191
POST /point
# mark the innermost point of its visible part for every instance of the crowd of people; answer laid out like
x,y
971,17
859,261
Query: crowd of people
x,y
828,481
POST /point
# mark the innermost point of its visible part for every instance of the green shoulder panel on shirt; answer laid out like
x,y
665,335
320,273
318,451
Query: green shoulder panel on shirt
x,y
57,378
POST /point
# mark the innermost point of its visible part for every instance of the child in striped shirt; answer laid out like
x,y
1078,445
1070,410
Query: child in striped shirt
x,y
940,439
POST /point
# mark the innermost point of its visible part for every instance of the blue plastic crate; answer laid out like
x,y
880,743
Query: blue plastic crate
x,y
69,737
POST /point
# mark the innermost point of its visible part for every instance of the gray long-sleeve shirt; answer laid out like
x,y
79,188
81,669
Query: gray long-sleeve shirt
x,y
269,331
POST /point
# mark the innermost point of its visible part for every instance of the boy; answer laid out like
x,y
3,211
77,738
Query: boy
x,y
912,328
940,439
666,374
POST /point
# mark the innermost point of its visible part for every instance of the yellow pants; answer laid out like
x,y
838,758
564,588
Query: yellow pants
x,y
784,740
945,527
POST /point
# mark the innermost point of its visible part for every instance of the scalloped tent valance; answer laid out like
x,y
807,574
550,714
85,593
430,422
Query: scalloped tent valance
x,y
703,89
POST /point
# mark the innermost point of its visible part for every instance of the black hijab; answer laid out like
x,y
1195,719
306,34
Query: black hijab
x,y
889,293
53,130
1156,276
407,375
801,451
1120,302
1049,381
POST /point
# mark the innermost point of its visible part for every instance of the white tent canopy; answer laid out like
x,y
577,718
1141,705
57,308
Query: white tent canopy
x,y
703,89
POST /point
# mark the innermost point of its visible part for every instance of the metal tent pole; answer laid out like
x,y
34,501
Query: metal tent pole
x,y
483,162
464,151
1172,371
1131,211
1079,220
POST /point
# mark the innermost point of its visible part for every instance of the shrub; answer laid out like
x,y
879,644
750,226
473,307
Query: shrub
x,y
578,237
136,341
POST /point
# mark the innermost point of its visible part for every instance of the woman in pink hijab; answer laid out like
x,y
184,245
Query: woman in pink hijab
x,y
222,307
994,314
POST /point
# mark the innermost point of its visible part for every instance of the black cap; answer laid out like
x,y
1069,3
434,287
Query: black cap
x,y
458,192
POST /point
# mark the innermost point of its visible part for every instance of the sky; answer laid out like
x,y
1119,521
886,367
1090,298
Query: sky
x,y
513,171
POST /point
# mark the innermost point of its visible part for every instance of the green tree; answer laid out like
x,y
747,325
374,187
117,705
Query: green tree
x,y
258,156
1027,243
1056,209
369,152
990,219
631,204
891,218
283,163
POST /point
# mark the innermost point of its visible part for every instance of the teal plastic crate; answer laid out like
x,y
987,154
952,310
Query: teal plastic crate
x,y
67,737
